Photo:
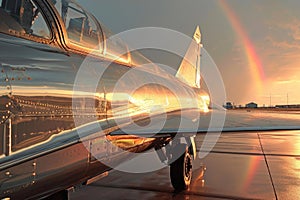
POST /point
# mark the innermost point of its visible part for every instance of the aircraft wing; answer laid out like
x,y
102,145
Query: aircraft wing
x,y
192,121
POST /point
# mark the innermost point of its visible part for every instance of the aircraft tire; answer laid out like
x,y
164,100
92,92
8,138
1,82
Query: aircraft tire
x,y
181,168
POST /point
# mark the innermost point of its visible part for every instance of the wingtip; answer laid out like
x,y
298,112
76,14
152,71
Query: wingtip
x,y
197,35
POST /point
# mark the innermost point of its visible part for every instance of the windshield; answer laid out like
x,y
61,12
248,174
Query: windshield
x,y
81,28
83,31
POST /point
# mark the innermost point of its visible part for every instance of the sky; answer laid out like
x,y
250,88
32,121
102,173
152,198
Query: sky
x,y
254,43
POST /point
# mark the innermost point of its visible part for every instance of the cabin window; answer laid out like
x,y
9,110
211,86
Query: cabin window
x,y
24,17
81,28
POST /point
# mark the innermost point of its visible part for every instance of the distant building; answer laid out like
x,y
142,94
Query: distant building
x,y
228,105
251,105
288,106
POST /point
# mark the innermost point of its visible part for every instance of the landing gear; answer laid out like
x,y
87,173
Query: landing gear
x,y
179,154
181,167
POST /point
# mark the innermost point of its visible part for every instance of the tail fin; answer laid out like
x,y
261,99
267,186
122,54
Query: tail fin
x,y
189,70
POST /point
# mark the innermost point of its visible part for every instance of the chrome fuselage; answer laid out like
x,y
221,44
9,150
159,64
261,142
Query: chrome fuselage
x,y
45,106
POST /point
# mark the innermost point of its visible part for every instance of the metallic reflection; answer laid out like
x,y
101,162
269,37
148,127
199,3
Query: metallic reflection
x,y
39,107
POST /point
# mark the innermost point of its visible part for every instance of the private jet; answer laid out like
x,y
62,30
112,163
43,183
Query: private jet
x,y
64,102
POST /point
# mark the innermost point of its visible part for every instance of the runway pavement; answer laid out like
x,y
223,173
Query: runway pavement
x,y
236,168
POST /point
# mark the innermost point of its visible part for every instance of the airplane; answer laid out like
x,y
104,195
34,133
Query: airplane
x,y
55,135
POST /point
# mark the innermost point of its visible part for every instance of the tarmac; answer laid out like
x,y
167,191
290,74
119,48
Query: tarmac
x,y
242,165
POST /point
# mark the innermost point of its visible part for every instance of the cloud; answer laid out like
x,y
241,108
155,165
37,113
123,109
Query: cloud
x,y
295,81
282,44
280,49
285,34
293,29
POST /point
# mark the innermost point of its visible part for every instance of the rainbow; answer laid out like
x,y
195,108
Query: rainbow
x,y
258,76
250,172
253,59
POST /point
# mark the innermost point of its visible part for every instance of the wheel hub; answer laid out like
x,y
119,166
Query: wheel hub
x,y
188,166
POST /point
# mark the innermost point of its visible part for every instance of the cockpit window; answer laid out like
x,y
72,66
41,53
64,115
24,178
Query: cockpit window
x,y
81,27
116,49
23,16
